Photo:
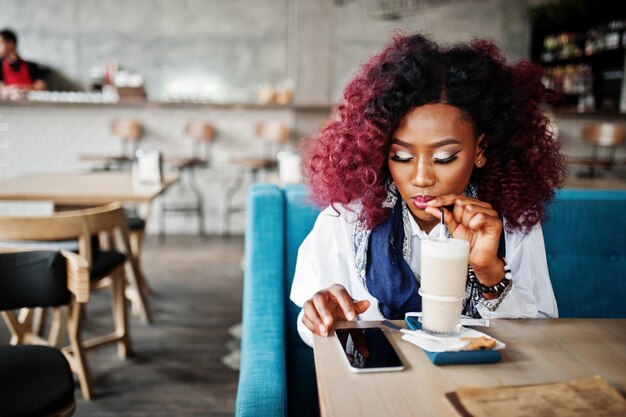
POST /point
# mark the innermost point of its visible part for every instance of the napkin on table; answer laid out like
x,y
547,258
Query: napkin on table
x,y
433,343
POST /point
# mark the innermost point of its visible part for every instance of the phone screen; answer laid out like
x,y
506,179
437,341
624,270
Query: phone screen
x,y
368,350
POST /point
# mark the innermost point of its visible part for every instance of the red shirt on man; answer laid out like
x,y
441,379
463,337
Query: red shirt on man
x,y
19,73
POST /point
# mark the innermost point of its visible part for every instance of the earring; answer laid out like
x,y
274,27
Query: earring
x,y
479,162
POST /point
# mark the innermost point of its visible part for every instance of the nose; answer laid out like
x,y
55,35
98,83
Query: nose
x,y
424,175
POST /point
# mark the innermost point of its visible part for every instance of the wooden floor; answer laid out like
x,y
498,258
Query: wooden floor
x,y
177,367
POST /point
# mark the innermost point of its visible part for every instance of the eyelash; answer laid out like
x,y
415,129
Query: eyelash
x,y
396,158
446,160
437,161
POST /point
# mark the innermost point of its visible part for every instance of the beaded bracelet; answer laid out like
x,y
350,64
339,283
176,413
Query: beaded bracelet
x,y
500,286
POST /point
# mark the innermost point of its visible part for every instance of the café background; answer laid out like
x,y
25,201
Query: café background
x,y
215,56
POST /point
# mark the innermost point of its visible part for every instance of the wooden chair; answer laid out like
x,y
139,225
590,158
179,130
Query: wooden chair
x,y
106,269
601,136
202,135
38,380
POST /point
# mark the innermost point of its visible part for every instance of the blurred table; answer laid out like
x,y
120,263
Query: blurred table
x,y
80,189
538,351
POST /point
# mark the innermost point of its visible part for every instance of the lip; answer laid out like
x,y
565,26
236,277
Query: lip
x,y
420,201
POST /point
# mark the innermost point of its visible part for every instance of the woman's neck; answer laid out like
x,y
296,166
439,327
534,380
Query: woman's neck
x,y
426,225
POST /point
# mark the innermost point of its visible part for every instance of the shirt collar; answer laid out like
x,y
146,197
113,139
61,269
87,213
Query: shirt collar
x,y
416,230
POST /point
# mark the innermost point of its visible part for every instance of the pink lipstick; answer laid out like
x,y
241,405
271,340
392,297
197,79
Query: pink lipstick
x,y
420,201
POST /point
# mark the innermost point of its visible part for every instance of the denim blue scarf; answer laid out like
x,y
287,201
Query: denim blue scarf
x,y
388,277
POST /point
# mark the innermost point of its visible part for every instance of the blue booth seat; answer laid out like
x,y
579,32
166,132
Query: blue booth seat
x,y
585,238
585,245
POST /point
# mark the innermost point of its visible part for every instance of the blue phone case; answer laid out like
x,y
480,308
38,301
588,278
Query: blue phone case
x,y
455,358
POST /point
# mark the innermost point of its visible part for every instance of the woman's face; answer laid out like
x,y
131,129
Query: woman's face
x,y
433,153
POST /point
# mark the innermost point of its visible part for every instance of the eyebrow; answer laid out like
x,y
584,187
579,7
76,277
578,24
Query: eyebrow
x,y
438,144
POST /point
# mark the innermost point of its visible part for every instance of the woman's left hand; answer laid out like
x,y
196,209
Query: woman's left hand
x,y
478,223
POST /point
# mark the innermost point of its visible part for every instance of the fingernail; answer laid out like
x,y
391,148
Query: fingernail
x,y
323,330
327,321
431,202
351,316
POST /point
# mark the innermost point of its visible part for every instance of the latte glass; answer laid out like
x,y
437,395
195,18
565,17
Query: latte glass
x,y
443,280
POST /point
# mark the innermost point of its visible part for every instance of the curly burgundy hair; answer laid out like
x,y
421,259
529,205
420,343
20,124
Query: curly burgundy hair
x,y
347,159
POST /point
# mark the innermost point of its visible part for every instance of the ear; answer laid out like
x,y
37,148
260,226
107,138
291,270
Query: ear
x,y
480,158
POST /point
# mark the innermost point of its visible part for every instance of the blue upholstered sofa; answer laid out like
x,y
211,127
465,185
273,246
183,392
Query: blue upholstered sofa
x,y
585,237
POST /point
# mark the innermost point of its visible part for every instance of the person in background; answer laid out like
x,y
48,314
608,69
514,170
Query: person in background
x,y
425,127
16,75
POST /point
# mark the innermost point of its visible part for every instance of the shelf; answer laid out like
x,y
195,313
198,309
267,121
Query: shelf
x,y
602,56
596,115
165,104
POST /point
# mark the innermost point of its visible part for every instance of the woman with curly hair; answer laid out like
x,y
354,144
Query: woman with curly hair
x,y
424,128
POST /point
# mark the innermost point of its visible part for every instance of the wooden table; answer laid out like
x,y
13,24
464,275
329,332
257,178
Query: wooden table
x,y
538,351
80,189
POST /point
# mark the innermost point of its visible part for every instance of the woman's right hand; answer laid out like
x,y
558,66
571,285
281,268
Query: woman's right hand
x,y
328,305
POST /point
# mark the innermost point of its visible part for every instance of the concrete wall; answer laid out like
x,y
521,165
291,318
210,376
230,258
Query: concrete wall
x,y
226,50
219,50
357,35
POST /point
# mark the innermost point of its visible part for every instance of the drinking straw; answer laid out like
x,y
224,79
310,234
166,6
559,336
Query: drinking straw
x,y
442,229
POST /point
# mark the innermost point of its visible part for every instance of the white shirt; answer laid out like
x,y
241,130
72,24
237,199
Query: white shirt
x,y
326,257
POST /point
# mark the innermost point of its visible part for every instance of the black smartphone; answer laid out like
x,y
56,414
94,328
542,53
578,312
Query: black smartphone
x,y
368,350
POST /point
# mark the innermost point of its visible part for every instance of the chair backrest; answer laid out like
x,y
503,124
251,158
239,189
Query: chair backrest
x,y
200,131
130,132
584,239
203,135
272,134
272,131
604,134
76,224
127,129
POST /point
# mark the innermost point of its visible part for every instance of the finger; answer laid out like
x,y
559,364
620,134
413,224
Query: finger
x,y
311,313
361,306
471,210
309,325
320,302
481,221
448,218
346,303
463,201
466,208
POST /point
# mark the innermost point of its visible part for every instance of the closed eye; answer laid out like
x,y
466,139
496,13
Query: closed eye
x,y
446,159
401,156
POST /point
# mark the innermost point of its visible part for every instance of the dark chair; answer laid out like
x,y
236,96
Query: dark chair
x,y
35,380
105,268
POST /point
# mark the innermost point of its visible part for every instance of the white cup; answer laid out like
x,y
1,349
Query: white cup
x,y
443,281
